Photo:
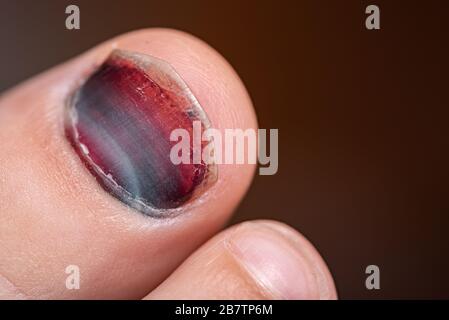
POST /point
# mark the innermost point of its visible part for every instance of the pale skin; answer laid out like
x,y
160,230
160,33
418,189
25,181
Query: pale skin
x,y
53,213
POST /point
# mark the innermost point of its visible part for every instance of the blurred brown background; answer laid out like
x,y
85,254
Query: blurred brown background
x,y
362,116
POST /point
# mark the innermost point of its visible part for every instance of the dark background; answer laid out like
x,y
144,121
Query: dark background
x,y
362,115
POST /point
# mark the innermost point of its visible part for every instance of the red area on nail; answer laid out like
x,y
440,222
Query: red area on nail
x,y
119,123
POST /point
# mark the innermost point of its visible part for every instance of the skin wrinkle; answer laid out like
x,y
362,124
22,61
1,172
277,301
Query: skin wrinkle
x,y
211,263
15,260
224,243
9,291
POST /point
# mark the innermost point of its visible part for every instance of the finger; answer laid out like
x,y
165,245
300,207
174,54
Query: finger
x,y
94,190
254,260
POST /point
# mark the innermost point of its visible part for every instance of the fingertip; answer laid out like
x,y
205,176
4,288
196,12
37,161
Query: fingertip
x,y
283,260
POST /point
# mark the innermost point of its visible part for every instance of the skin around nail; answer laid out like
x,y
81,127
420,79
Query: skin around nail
x,y
119,123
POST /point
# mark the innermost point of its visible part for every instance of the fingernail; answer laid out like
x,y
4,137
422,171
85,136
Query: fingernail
x,y
274,264
119,123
